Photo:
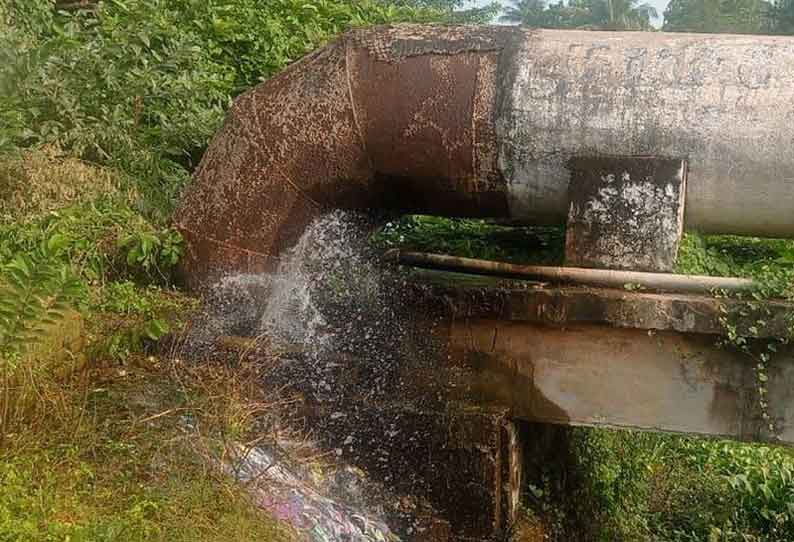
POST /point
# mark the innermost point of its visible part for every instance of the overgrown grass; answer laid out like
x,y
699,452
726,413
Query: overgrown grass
x,y
131,469
34,182
102,440
94,444
631,486
55,259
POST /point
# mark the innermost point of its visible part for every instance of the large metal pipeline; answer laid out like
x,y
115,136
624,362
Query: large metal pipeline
x,y
481,122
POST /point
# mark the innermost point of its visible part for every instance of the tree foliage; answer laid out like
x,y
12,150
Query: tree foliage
x,y
726,16
780,17
718,16
141,85
592,14
453,11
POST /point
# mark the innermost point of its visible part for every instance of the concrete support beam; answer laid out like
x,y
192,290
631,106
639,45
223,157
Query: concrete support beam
x,y
473,296
600,357
602,376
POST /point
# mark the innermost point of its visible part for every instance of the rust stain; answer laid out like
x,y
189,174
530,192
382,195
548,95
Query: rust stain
x,y
396,117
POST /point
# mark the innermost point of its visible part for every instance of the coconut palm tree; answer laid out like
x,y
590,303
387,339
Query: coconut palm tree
x,y
622,14
597,14
630,15
525,12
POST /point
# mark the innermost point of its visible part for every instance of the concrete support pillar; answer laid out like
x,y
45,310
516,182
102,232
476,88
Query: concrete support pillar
x,y
625,212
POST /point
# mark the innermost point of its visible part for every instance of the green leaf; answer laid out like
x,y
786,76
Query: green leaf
x,y
56,242
155,329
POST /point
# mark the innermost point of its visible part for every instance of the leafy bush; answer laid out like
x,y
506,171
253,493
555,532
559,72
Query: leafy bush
x,y
35,290
102,239
126,318
29,18
97,89
666,488
143,84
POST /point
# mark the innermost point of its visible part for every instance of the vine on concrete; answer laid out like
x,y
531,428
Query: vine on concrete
x,y
759,350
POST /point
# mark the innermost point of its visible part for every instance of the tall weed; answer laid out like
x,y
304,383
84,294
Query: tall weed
x,y
36,292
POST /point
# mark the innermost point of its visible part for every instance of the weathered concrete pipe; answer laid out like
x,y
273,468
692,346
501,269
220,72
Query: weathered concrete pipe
x,y
481,121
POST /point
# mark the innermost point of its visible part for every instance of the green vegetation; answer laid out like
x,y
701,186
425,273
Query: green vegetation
x,y
138,86
473,238
104,113
91,443
454,11
631,486
586,14
730,16
727,16
769,261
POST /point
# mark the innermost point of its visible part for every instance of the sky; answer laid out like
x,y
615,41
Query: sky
x,y
658,4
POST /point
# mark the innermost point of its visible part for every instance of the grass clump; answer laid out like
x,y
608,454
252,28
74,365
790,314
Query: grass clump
x,y
632,486
37,181
127,472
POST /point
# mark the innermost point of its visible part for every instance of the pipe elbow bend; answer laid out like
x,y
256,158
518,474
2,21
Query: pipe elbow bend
x,y
396,118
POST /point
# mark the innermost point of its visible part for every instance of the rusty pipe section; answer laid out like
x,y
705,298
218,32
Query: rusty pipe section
x,y
481,122
399,118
